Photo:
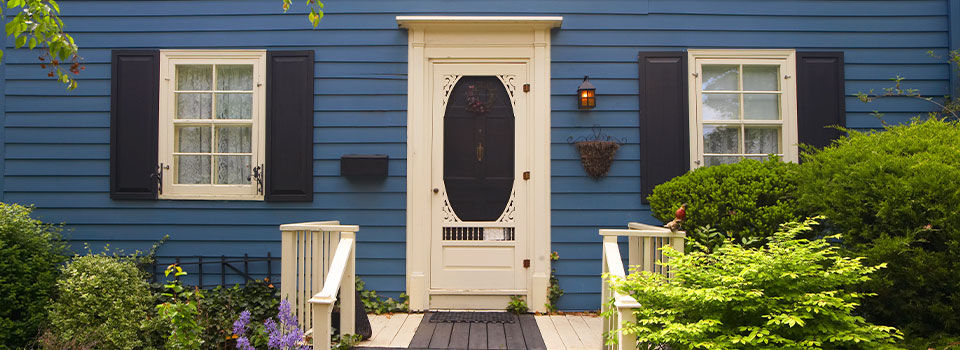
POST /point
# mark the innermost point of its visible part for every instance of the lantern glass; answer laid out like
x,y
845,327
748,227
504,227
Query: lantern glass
x,y
586,95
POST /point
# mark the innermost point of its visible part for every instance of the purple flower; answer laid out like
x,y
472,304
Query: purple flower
x,y
240,325
287,334
244,344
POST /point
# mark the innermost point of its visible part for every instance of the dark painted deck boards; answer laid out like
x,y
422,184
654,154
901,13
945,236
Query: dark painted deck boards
x,y
523,333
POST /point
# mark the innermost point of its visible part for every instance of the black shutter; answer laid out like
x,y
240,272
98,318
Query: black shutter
x,y
664,145
134,113
820,97
289,163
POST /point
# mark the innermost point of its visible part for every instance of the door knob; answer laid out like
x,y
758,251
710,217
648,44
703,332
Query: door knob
x,y
436,190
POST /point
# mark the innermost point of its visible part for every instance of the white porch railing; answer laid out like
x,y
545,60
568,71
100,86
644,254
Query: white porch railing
x,y
644,242
317,262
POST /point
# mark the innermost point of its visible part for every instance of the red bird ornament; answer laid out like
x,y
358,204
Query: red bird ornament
x,y
678,217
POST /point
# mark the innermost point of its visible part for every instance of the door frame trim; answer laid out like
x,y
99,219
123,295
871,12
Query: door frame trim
x,y
487,39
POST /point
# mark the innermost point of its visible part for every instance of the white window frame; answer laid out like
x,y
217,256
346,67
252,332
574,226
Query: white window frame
x,y
168,61
788,105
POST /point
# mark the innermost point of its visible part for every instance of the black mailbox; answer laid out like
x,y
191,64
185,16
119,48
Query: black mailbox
x,y
364,165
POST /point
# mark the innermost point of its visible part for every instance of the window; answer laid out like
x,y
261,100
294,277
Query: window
x,y
211,132
742,105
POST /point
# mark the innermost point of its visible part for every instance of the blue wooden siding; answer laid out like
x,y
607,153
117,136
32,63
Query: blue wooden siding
x,y
57,142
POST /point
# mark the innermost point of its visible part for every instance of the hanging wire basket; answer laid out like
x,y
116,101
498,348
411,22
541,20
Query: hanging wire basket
x,y
597,152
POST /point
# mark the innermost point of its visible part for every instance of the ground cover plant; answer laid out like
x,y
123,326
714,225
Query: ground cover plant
x,y
30,252
745,201
791,293
895,195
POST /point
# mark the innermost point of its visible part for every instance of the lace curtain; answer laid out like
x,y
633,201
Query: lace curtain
x,y
225,149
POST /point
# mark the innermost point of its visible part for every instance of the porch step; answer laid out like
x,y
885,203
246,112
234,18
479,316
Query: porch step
x,y
463,331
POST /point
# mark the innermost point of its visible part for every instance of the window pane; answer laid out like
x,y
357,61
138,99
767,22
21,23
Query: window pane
x,y
717,160
761,140
721,107
761,78
721,139
233,169
234,106
194,77
194,139
721,77
193,106
233,139
235,77
193,169
761,106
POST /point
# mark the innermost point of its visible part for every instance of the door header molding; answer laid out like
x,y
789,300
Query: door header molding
x,y
416,22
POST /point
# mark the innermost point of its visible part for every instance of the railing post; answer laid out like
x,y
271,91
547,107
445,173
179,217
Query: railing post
x,y
288,267
348,289
626,341
321,326
605,292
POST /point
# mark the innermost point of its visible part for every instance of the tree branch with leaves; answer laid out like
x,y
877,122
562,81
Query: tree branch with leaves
x,y
37,24
950,105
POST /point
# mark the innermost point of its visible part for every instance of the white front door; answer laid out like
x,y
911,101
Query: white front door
x,y
480,152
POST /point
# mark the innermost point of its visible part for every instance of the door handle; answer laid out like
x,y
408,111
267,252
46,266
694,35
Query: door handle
x,y
479,151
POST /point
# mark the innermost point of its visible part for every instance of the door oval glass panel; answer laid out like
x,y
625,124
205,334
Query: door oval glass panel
x,y
478,148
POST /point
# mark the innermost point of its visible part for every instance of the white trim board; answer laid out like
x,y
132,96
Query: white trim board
x,y
473,39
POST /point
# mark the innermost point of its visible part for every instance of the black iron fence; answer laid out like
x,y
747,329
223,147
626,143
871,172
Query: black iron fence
x,y
212,271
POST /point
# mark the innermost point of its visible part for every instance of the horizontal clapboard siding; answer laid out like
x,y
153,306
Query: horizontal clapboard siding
x,y
57,142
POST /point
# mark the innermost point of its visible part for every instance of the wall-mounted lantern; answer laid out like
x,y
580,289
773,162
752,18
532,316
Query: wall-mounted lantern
x,y
586,94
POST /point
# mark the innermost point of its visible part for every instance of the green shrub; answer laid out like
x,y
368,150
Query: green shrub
x,y
30,252
746,201
101,297
787,294
374,303
517,305
221,306
896,197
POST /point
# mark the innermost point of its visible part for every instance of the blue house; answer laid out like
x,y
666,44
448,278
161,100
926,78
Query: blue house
x,y
442,128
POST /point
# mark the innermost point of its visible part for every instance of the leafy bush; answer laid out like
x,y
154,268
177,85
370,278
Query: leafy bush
x,y
102,298
896,197
30,252
554,292
375,304
746,201
787,294
181,312
517,305
221,306
284,333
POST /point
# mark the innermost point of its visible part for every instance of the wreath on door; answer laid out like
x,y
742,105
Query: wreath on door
x,y
480,97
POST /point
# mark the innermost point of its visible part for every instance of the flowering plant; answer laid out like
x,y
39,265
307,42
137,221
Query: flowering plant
x,y
283,335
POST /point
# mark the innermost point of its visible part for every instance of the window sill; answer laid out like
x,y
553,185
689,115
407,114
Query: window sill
x,y
222,197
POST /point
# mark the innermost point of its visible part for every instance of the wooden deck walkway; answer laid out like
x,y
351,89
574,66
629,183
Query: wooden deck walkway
x,y
414,331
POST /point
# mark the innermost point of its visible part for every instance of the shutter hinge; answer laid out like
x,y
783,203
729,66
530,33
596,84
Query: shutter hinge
x,y
159,177
526,263
526,175
258,175
526,87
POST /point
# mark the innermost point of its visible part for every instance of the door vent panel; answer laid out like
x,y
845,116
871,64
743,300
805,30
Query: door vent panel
x,y
494,234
